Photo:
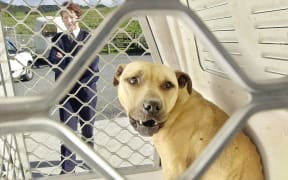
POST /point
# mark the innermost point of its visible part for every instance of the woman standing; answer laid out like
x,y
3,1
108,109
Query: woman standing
x,y
67,45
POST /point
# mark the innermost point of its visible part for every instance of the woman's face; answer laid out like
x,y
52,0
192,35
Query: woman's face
x,y
69,19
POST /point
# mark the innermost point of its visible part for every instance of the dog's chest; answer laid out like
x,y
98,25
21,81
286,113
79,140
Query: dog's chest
x,y
169,142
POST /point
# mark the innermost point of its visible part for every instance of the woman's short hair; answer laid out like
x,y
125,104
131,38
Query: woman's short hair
x,y
70,6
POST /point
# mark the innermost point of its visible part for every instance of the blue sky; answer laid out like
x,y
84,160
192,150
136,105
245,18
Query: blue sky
x,y
109,3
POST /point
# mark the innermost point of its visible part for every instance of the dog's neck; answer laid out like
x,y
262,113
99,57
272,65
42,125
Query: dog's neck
x,y
183,96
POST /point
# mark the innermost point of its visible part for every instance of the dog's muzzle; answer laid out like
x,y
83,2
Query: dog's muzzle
x,y
146,127
148,118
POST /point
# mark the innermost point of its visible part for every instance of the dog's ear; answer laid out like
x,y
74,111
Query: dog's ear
x,y
184,81
118,73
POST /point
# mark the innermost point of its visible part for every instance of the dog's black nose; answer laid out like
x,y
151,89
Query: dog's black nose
x,y
152,106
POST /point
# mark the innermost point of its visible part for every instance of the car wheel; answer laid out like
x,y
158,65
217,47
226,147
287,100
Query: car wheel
x,y
28,75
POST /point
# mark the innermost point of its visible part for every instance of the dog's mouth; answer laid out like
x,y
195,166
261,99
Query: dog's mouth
x,y
146,127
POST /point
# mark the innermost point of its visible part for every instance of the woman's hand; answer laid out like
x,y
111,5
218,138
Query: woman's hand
x,y
59,55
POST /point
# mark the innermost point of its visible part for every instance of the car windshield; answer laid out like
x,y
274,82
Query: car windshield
x,y
11,47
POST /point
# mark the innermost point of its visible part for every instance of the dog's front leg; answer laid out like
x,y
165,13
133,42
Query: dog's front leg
x,y
171,173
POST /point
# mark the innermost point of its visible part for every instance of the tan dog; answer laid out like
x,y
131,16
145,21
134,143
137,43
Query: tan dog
x,y
161,103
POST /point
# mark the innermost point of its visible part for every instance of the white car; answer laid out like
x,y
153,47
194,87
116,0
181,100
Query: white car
x,y
19,62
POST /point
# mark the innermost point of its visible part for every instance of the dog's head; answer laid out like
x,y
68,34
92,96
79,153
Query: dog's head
x,y
148,93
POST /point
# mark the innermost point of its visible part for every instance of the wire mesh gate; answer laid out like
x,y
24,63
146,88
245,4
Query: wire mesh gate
x,y
261,93
30,27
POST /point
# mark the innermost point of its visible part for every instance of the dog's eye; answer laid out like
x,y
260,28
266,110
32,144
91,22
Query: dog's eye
x,y
167,85
133,80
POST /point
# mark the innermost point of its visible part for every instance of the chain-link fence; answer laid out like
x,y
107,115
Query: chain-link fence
x,y
29,28
11,162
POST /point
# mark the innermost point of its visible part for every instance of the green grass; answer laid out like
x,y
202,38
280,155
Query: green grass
x,y
24,24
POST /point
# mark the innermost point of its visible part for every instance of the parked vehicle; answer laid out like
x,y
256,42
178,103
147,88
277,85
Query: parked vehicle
x,y
19,62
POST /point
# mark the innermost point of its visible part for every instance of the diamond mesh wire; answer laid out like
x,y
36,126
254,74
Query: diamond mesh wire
x,y
113,137
10,163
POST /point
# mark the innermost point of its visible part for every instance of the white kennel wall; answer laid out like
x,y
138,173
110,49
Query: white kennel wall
x,y
254,33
